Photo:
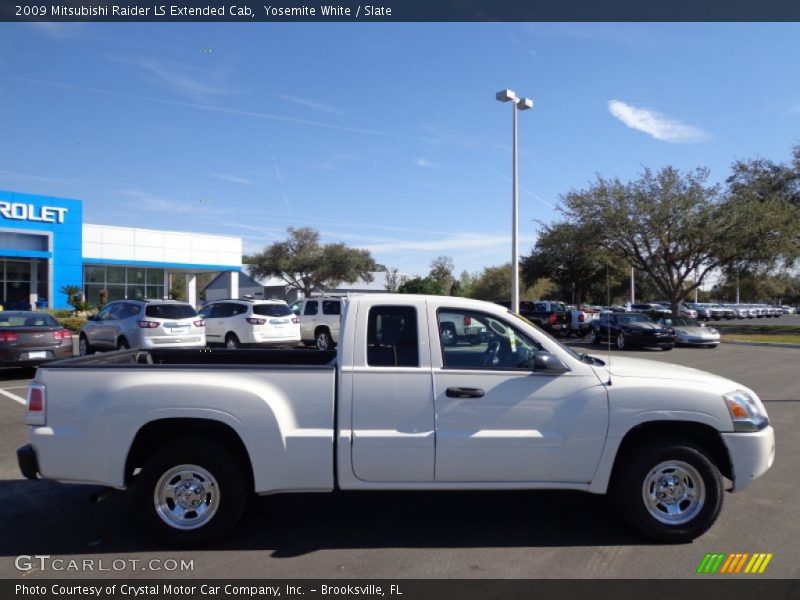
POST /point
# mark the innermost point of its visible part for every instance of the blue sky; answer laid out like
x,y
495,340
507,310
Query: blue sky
x,y
383,136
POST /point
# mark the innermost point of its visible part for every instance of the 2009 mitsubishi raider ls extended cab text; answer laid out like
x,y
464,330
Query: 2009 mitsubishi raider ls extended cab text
x,y
195,432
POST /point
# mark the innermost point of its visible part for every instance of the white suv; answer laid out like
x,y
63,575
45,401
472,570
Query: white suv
x,y
234,323
319,321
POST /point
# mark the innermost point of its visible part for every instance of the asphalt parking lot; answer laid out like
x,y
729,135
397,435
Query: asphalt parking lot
x,y
423,535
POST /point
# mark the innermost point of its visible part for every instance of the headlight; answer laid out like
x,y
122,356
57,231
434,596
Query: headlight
x,y
713,331
746,410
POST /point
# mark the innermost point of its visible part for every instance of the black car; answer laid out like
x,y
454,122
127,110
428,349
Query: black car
x,y
30,338
630,329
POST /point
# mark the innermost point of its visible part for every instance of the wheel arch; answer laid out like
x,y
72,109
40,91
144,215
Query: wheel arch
x,y
701,434
156,434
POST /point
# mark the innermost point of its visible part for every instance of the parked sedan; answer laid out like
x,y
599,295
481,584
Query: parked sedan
x,y
29,338
691,332
630,329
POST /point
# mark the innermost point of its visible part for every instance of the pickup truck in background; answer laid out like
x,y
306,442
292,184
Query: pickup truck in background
x,y
194,433
547,315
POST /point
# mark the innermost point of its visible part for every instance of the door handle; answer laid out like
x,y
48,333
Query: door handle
x,y
462,392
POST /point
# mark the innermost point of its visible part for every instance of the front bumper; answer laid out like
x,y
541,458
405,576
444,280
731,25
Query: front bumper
x,y
648,340
752,454
28,462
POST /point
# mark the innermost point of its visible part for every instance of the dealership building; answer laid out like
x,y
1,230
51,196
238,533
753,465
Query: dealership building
x,y
45,245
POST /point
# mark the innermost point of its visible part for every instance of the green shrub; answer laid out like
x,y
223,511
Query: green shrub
x,y
74,324
59,313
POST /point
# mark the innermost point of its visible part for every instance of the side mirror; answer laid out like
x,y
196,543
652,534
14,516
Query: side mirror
x,y
545,362
92,318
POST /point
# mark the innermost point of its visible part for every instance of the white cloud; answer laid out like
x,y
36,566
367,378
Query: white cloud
x,y
313,104
453,242
232,178
152,202
655,124
425,163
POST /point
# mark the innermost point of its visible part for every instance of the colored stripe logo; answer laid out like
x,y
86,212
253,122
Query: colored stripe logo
x,y
735,563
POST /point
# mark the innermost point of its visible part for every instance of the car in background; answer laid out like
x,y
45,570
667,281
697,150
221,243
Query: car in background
x,y
653,310
741,312
630,330
691,332
320,318
248,322
787,310
30,338
548,315
462,328
143,324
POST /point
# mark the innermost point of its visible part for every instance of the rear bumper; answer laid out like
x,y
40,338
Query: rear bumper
x,y
21,356
28,462
752,454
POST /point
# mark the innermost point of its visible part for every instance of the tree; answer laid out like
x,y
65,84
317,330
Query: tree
x,y
670,225
442,272
393,280
421,285
303,263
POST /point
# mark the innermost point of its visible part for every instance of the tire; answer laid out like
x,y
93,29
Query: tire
x,y
621,342
591,338
690,483
214,493
122,344
232,342
84,347
668,347
448,333
323,339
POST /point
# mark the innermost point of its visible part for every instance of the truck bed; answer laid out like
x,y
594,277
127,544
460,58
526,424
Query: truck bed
x,y
205,357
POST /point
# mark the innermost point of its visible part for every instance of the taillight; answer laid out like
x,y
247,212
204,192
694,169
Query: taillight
x,y
200,323
148,324
64,334
8,337
254,321
37,403
467,320
553,318
581,317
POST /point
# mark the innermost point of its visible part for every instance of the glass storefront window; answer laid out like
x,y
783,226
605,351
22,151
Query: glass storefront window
x,y
93,293
18,271
155,291
115,275
136,292
135,276
115,292
94,275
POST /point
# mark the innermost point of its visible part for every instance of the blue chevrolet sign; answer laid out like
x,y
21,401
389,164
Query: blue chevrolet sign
x,y
60,221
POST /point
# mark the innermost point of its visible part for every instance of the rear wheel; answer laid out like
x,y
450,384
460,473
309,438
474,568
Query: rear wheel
x,y
84,347
669,491
122,344
621,342
231,341
592,337
448,333
191,493
323,340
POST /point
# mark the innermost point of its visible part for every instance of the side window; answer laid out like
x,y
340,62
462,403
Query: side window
x,y
118,312
129,310
476,340
311,307
105,314
221,310
237,309
331,307
205,312
392,338
297,307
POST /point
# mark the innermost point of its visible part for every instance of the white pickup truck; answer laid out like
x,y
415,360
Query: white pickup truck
x,y
195,432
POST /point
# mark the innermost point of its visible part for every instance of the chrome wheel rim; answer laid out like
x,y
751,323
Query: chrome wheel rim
x,y
83,346
231,343
674,492
322,341
591,339
186,497
621,342
448,337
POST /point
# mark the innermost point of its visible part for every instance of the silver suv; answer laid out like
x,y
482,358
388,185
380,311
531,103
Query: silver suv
x,y
319,320
143,324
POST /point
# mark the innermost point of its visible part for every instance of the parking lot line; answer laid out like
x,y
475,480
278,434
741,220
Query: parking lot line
x,y
14,397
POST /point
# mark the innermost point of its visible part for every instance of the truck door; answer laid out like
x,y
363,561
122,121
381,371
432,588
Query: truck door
x,y
498,420
392,395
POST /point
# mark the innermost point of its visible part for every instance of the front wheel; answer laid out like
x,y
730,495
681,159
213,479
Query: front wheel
x,y
592,338
84,347
621,341
231,341
667,346
670,491
191,493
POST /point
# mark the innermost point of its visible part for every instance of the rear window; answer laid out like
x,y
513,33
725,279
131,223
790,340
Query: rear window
x,y
26,320
169,311
271,310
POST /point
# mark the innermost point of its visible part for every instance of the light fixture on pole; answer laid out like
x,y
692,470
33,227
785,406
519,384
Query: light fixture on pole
x,y
517,104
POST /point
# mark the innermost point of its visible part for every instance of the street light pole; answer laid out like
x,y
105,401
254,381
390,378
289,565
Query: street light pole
x,y
517,104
